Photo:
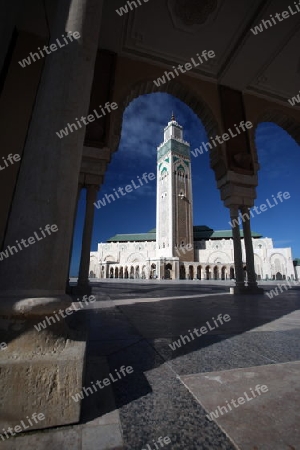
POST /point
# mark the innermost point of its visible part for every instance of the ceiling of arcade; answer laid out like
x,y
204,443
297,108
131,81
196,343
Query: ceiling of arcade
x,y
182,28
264,67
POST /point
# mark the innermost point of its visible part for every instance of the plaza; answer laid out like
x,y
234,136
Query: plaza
x,y
170,393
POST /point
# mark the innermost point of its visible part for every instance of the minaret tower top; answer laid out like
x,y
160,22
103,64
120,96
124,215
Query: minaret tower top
x,y
173,130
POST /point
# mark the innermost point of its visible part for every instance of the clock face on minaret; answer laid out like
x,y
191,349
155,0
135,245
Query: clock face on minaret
x,y
174,203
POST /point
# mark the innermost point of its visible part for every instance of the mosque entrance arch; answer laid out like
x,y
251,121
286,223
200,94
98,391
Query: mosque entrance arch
x,y
168,271
216,273
182,272
207,273
153,271
223,273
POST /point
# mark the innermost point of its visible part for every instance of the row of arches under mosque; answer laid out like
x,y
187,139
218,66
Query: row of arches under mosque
x,y
186,272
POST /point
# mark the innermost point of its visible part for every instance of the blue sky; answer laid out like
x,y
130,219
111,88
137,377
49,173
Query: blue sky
x,y
142,132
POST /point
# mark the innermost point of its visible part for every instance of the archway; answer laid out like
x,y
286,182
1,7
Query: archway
x,y
277,117
209,126
132,272
199,272
111,272
223,273
168,271
137,272
177,89
216,273
207,273
276,129
182,272
116,272
232,277
153,271
121,272
126,273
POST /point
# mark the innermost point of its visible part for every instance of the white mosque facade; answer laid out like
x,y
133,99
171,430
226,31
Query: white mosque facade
x,y
176,249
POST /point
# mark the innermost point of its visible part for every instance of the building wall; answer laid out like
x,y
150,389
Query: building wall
x,y
210,257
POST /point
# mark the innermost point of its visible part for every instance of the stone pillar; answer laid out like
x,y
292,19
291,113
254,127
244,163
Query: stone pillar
x,y
159,268
33,276
9,13
176,269
91,197
195,272
252,283
238,261
47,185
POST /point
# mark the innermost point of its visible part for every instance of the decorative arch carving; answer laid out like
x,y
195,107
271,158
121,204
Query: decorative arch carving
x,y
179,90
109,258
218,256
187,15
135,258
280,118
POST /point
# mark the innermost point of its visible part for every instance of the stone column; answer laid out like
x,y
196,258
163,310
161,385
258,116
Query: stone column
x,y
46,190
91,197
9,13
158,270
248,248
195,272
238,261
33,276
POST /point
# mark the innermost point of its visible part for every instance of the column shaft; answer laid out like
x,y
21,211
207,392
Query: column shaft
x,y
46,190
91,195
248,247
9,13
238,260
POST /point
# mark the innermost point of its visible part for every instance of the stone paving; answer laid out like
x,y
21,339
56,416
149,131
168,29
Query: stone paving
x,y
171,392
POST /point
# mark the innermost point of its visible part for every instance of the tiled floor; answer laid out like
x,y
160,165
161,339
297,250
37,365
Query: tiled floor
x,y
171,392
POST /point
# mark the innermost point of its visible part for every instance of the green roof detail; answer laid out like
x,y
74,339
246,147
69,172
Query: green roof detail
x,y
200,232
137,237
204,232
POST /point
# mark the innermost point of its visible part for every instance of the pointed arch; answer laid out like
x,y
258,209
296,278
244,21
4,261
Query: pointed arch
x,y
275,115
179,90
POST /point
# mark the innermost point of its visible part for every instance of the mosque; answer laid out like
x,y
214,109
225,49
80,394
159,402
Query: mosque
x,y
176,249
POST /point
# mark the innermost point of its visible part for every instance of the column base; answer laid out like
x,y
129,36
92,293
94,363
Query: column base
x,y
40,370
81,289
248,290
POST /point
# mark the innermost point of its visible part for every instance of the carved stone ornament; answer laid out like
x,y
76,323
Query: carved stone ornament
x,y
190,13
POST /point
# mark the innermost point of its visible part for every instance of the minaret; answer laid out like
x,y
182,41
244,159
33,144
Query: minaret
x,y
174,203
